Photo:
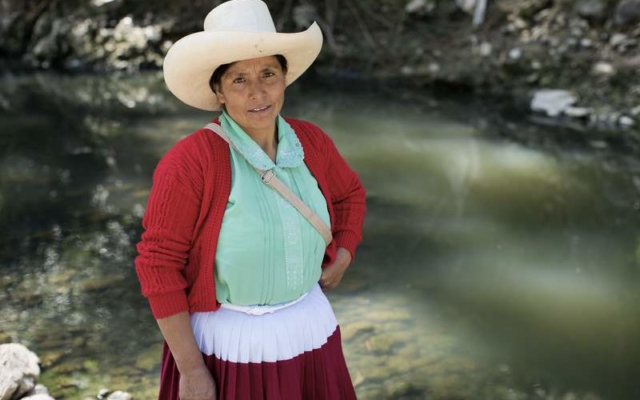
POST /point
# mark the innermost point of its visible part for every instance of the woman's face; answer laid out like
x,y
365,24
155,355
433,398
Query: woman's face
x,y
253,93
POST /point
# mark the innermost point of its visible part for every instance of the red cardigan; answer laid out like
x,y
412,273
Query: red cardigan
x,y
191,185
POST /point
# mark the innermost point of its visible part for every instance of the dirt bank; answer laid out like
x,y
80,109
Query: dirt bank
x,y
587,50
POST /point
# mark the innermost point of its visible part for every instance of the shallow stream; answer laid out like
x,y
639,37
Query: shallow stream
x,y
493,267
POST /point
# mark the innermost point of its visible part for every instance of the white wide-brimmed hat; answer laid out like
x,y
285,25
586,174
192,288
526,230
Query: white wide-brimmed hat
x,y
234,31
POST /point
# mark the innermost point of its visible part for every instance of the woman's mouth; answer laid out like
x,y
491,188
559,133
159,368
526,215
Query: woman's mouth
x,y
260,109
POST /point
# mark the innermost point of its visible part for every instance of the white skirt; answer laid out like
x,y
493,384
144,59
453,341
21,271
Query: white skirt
x,y
240,337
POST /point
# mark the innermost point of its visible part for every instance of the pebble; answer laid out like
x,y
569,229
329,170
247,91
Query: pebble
x,y
586,42
485,49
617,39
119,395
577,112
434,68
38,397
420,7
603,68
515,54
626,121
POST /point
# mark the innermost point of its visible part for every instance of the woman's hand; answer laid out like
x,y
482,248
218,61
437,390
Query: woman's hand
x,y
196,382
197,385
332,274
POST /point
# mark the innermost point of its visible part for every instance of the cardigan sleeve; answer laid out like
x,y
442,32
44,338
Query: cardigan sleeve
x,y
347,197
172,210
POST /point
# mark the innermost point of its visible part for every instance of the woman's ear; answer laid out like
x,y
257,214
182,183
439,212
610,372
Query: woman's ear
x,y
220,96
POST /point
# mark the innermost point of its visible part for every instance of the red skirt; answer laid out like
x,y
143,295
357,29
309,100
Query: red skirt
x,y
294,353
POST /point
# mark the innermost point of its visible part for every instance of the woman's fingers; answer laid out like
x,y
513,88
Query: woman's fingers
x,y
331,276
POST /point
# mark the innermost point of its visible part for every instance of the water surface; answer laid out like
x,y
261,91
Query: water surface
x,y
499,259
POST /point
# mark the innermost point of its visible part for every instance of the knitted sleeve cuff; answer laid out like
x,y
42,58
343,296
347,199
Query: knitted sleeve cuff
x,y
167,304
348,240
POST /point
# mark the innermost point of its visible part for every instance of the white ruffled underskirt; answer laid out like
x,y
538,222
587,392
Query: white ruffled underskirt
x,y
282,335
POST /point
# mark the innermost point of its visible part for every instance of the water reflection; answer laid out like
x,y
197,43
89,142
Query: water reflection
x,y
493,267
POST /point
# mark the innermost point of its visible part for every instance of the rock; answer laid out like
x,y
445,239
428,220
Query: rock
x,y
592,10
528,8
40,389
586,42
398,389
420,7
485,49
627,12
576,31
466,5
626,121
407,70
104,4
603,68
577,112
635,111
119,395
19,371
515,54
51,358
38,397
617,39
626,44
150,358
552,101
103,393
353,329
380,344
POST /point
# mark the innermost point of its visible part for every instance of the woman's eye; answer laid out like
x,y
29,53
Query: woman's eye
x,y
238,80
268,74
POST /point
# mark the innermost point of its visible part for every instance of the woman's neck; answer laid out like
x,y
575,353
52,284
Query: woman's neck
x,y
267,141
266,138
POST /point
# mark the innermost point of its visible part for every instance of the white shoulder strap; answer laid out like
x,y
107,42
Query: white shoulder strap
x,y
269,178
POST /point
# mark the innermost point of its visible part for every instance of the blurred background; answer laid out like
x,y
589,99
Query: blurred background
x,y
498,140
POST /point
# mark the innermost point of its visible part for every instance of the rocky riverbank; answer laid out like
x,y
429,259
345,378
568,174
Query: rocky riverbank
x,y
19,373
585,51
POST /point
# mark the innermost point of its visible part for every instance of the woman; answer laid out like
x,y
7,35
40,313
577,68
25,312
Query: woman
x,y
234,273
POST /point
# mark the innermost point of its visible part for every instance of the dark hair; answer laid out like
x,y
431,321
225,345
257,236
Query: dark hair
x,y
216,77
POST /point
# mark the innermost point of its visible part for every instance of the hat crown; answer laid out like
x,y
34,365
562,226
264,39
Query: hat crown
x,y
240,16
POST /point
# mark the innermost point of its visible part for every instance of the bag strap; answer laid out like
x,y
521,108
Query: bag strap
x,y
270,179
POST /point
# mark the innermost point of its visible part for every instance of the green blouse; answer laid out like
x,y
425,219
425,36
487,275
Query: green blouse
x,y
267,251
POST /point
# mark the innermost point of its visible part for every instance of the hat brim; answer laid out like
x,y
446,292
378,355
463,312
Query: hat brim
x,y
190,62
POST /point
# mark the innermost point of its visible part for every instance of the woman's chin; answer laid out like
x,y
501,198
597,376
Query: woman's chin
x,y
261,119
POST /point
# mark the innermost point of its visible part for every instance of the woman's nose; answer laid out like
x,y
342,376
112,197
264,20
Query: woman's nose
x,y
256,88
